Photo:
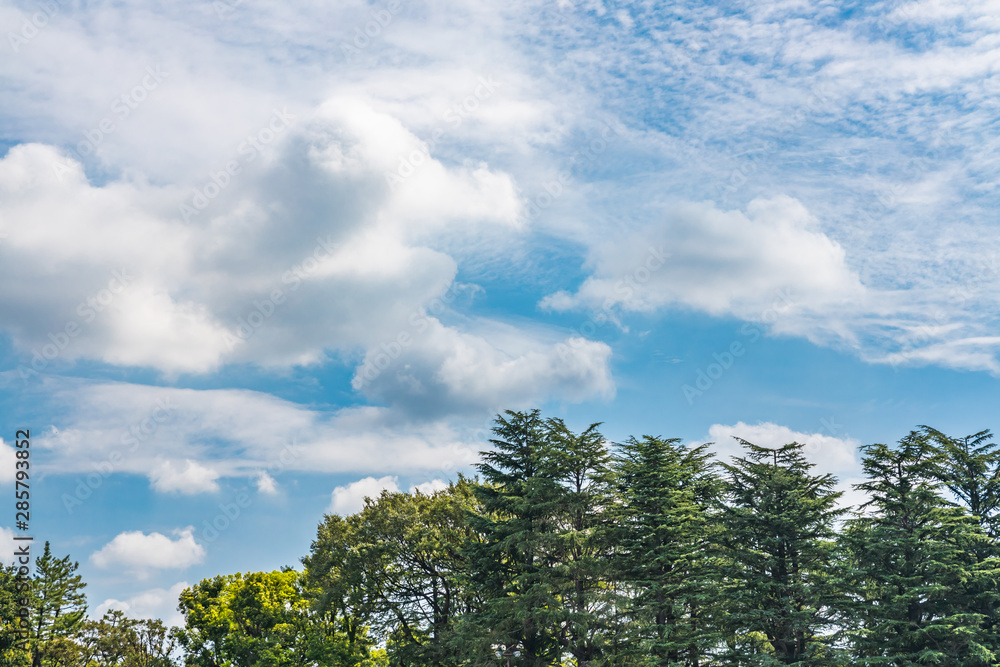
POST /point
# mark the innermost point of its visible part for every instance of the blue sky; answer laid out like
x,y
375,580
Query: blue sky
x,y
260,259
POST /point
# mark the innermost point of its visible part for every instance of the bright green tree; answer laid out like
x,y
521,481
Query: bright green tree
x,y
778,539
10,596
664,567
259,619
914,565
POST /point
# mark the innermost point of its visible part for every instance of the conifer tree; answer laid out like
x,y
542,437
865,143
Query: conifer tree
x,y
513,567
915,570
778,530
582,466
664,566
58,604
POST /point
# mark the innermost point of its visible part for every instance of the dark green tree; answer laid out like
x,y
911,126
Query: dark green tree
x,y
118,641
778,539
341,584
58,605
409,551
912,555
581,466
664,568
513,568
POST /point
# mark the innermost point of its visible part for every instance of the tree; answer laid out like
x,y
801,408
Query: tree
x,y
581,466
10,605
339,584
118,641
260,619
778,530
512,568
407,550
914,564
664,566
58,605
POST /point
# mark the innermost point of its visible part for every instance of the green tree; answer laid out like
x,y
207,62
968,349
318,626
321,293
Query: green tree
x,y
58,606
118,641
407,552
664,566
913,558
10,596
259,619
513,567
340,585
778,530
581,466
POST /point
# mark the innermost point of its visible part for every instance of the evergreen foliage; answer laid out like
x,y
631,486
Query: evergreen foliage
x,y
569,551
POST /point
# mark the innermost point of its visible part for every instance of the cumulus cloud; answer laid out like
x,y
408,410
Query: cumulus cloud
x,y
351,498
212,434
141,554
441,369
155,603
721,262
140,284
193,478
830,453
429,488
266,484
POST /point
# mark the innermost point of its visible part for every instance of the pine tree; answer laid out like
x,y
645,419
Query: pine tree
x,y
581,464
58,604
778,529
512,568
913,558
664,568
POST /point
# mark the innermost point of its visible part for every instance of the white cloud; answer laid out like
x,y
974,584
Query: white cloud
x,y
184,440
351,498
141,554
721,262
830,453
149,604
194,478
429,488
442,370
8,459
7,546
266,484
